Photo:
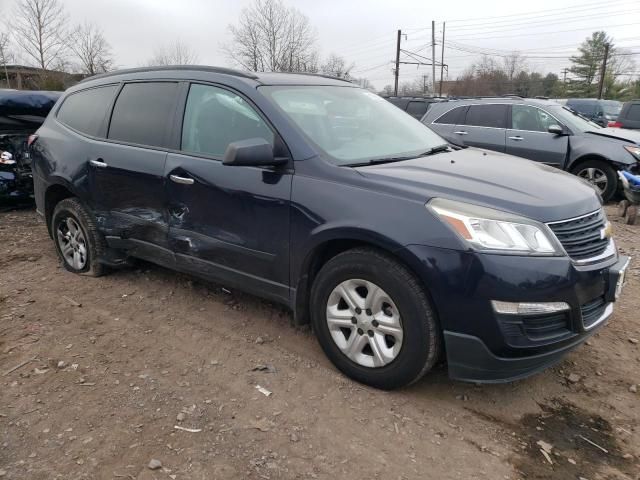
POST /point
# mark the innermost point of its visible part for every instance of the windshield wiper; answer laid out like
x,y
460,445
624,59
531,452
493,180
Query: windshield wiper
x,y
378,161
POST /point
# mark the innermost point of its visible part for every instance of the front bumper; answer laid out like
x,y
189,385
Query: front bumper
x,y
483,346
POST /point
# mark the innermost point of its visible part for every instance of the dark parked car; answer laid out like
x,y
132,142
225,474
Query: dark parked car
x,y
21,114
539,130
629,116
414,106
598,111
396,247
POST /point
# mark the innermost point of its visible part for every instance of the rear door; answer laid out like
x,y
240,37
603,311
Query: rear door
x,y
127,171
484,126
528,136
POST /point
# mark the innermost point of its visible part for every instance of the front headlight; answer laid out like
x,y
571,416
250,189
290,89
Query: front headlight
x,y
493,230
633,150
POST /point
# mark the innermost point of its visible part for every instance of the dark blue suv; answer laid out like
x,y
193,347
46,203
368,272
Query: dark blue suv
x,y
398,248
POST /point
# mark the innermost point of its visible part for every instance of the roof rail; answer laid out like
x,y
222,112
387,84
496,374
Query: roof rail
x,y
315,75
164,68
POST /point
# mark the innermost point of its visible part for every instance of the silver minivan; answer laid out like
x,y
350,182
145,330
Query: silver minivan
x,y
539,130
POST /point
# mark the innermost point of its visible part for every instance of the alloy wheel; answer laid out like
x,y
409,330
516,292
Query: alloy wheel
x,y
364,323
72,243
596,177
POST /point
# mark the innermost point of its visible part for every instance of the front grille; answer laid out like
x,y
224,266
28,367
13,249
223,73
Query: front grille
x,y
592,311
522,330
581,237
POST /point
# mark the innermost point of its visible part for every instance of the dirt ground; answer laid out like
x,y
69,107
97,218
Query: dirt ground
x,y
100,376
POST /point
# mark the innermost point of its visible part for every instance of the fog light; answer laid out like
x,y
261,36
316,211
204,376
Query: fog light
x,y
525,308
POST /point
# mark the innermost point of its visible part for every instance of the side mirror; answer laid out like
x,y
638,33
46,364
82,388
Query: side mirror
x,y
253,152
556,130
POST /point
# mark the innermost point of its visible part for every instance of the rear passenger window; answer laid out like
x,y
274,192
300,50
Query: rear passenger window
x,y
143,113
494,116
417,109
86,111
215,117
634,112
452,117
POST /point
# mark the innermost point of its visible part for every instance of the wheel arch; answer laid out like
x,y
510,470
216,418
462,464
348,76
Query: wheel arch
x,y
54,194
327,246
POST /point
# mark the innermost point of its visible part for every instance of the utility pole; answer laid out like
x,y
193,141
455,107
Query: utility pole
x,y
564,75
397,71
442,60
604,70
433,55
424,84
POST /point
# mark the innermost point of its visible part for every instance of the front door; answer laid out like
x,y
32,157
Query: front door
x,y
230,224
127,170
529,138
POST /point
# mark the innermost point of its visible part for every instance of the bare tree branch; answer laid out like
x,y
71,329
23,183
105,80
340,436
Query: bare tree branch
x,y
5,56
177,53
337,66
39,27
272,37
91,49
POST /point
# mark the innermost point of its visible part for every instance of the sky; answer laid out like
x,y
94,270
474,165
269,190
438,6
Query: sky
x,y
365,31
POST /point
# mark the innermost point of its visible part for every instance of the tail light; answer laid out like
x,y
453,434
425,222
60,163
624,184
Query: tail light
x,y
31,139
614,124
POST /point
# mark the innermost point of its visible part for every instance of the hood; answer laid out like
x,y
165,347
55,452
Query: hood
x,y
625,135
490,179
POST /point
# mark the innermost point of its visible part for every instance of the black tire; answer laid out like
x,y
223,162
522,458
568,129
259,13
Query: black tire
x,y
95,242
422,338
610,172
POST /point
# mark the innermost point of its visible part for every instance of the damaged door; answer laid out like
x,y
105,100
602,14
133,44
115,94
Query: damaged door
x,y
128,170
229,224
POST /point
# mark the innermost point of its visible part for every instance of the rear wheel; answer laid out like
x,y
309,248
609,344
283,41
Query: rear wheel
x,y
374,320
600,174
77,239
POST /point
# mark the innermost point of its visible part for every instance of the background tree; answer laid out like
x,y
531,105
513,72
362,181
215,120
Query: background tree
x,y
272,37
513,64
91,49
177,53
586,66
6,56
336,66
39,28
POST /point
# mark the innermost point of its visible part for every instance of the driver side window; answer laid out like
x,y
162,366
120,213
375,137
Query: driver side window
x,y
215,117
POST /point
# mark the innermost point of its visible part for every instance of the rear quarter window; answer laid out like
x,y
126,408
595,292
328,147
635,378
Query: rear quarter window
x,y
417,109
143,113
452,117
86,111
633,113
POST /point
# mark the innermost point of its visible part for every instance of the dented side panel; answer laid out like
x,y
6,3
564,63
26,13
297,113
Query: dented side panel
x,y
236,217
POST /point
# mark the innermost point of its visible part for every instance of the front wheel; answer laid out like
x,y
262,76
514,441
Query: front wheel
x,y
599,174
374,320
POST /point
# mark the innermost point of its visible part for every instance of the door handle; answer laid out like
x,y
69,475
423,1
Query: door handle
x,y
461,132
181,180
98,162
517,138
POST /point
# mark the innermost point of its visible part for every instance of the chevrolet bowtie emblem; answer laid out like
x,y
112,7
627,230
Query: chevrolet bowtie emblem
x,y
607,231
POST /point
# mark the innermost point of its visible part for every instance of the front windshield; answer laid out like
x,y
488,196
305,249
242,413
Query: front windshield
x,y
353,125
611,107
572,119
